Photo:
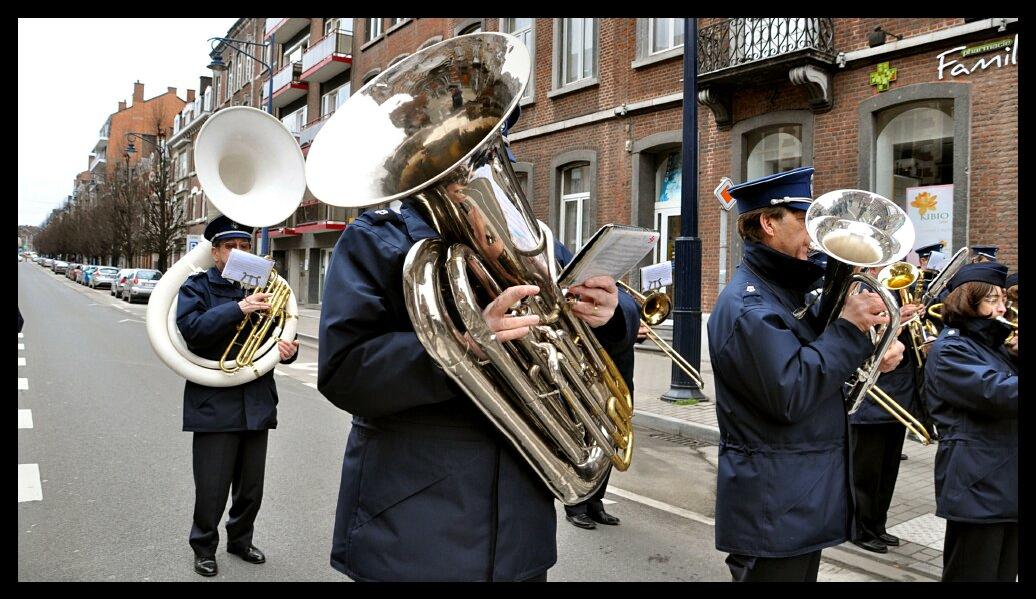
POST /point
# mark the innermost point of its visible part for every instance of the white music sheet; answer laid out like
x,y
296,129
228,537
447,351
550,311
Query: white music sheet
x,y
250,270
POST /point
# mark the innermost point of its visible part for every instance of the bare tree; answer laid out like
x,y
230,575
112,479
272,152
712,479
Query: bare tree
x,y
163,221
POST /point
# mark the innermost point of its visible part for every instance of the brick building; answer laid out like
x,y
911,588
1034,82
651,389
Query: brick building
x,y
600,135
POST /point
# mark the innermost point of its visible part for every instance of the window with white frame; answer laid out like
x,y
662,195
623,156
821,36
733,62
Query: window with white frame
x,y
295,121
294,52
574,223
521,28
665,34
241,72
372,29
343,24
397,21
578,49
230,79
330,101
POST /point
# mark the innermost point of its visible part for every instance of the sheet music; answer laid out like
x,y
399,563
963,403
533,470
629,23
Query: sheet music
x,y
250,270
612,251
655,276
938,260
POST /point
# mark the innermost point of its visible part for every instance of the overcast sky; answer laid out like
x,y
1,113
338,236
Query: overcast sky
x,y
72,73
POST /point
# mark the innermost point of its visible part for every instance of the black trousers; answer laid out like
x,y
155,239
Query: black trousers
x,y
225,461
593,503
799,568
980,552
876,451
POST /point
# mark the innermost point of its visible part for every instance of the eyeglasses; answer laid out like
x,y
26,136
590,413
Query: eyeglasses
x,y
995,299
243,245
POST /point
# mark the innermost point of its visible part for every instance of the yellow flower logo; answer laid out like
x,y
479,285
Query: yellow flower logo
x,y
924,202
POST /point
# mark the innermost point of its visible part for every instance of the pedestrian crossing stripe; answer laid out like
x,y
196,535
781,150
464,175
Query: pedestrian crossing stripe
x,y
24,418
21,361
23,384
29,487
21,346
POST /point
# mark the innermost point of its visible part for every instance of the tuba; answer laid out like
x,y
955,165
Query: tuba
x,y
858,229
431,126
252,170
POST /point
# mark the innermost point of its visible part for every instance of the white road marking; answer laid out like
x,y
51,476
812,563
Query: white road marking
x,y
607,502
21,346
660,505
313,385
24,418
23,384
123,320
21,361
29,487
21,335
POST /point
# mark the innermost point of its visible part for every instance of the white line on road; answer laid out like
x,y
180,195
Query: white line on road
x,y
21,335
21,361
24,418
29,487
23,384
659,505
313,385
21,346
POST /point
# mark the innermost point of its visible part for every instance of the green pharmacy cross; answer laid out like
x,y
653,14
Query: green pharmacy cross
x,y
883,76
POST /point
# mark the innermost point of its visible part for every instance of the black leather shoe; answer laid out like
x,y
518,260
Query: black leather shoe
x,y
902,456
603,517
872,545
251,555
206,566
582,521
890,540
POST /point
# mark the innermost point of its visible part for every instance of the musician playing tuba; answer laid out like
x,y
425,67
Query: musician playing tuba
x,y
431,489
230,424
782,486
971,390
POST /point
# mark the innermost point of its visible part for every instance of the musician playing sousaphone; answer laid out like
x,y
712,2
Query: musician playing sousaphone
x,y
783,482
230,424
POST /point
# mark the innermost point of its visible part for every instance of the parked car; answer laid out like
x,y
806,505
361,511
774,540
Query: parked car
x,y
47,262
88,271
120,281
60,267
140,284
104,276
73,270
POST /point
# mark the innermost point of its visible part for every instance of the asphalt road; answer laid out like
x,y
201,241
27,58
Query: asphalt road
x,y
117,487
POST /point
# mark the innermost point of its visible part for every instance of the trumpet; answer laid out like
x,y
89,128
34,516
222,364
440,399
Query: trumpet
x,y
900,276
654,309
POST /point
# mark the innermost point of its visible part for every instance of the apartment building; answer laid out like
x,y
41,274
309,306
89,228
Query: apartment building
x,y
908,108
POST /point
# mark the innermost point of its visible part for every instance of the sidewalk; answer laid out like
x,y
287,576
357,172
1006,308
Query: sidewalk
x,y
912,513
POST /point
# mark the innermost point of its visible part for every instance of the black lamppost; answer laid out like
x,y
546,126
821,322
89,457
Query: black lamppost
x,y
218,65
687,312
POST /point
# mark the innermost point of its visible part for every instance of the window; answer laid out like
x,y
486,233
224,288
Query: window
x,y
914,147
521,28
295,121
668,183
664,34
574,225
371,30
330,101
397,21
773,150
295,51
230,79
343,24
578,49
473,28
240,72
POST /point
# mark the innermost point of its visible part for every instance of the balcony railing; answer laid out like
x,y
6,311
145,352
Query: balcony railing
x,y
309,132
97,161
742,41
338,42
285,76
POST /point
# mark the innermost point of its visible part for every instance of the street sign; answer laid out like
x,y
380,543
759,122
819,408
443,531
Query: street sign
x,y
726,201
193,240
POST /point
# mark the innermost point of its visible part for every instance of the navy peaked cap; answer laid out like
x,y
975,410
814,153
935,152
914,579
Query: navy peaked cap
x,y
222,228
993,273
792,189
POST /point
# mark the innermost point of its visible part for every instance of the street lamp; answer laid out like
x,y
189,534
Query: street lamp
x,y
218,65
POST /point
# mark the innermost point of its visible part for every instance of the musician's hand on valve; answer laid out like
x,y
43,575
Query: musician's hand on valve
x,y
892,357
908,311
598,298
1013,345
254,303
865,310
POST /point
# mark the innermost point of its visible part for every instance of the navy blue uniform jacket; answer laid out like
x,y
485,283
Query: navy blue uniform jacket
x,y
430,490
207,315
783,483
971,390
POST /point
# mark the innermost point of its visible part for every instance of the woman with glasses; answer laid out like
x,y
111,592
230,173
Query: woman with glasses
x,y
971,390
230,424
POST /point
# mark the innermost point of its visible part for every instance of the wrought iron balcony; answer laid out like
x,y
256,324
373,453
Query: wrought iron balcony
x,y
744,41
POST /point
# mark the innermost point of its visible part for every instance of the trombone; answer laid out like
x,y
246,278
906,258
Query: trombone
x,y
900,413
654,309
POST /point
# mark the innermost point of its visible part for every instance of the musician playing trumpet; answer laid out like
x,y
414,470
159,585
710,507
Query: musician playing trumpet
x,y
783,481
971,390
230,424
